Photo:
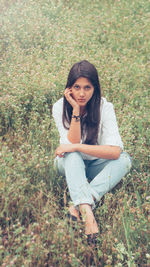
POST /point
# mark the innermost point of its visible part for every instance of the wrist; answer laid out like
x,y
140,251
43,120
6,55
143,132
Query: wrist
x,y
77,118
76,111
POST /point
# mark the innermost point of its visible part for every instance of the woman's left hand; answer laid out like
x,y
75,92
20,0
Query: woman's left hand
x,y
64,148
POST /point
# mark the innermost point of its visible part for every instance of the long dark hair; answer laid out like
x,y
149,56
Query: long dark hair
x,y
89,123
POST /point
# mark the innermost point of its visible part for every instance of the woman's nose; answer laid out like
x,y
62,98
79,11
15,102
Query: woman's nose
x,y
82,93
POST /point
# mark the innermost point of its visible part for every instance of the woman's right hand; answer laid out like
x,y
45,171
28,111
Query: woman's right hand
x,y
70,99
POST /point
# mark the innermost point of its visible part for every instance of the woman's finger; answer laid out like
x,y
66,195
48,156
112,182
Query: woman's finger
x,y
59,153
67,92
69,97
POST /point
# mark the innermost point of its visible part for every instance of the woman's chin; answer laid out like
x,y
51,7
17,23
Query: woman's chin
x,y
82,104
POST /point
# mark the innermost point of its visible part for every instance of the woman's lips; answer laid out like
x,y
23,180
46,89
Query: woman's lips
x,y
81,100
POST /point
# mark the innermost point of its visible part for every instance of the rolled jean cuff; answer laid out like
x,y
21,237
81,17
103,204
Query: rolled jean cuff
x,y
84,201
95,194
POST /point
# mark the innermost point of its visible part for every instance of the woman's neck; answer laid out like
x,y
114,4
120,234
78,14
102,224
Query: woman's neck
x,y
82,111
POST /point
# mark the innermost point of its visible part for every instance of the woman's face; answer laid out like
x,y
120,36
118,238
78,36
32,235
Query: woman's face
x,y
82,91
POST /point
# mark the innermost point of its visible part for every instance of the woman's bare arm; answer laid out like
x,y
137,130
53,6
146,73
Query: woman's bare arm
x,y
99,151
74,133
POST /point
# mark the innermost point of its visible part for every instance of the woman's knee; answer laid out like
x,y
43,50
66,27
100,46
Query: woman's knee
x,y
73,156
126,161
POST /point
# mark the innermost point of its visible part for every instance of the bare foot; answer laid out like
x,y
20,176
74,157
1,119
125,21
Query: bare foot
x,y
91,226
73,211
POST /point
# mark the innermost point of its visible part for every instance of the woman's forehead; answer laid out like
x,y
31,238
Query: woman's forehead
x,y
83,80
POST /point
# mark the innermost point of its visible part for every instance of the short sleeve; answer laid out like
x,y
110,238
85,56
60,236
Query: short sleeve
x,y
57,112
109,134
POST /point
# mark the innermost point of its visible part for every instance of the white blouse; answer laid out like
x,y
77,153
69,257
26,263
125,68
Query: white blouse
x,y
108,129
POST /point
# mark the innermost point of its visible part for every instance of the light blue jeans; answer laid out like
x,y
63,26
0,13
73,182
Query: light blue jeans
x,y
91,179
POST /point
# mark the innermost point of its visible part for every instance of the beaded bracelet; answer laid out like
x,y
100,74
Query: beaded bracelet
x,y
76,117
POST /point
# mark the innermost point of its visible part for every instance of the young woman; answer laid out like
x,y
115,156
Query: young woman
x,y
90,154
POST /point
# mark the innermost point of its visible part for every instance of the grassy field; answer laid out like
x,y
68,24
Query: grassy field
x,y
40,40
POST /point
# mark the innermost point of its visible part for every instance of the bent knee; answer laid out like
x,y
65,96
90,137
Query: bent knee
x,y
73,158
73,155
126,161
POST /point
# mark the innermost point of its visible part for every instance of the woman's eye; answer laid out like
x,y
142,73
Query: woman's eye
x,y
87,88
76,86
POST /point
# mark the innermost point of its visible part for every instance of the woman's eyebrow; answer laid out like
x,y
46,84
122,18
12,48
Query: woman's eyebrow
x,y
86,85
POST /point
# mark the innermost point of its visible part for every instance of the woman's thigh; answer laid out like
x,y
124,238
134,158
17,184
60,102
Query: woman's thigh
x,y
94,167
118,167
111,174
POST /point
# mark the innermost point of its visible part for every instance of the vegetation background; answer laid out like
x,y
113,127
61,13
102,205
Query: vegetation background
x,y
40,40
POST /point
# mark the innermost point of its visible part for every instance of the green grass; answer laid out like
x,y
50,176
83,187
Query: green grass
x,y
40,40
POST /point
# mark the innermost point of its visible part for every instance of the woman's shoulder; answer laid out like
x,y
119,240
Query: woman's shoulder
x,y
105,104
106,109
57,108
58,104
